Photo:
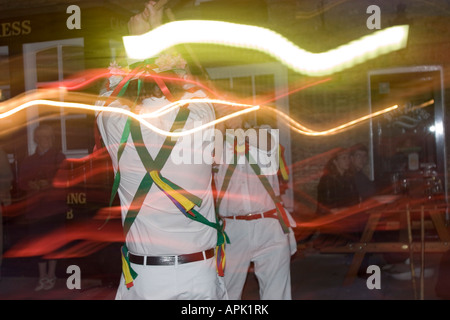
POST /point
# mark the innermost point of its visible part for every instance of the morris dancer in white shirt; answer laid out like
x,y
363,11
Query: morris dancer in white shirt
x,y
173,239
257,225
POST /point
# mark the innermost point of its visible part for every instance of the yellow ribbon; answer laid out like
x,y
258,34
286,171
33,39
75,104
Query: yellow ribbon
x,y
220,259
126,272
240,148
283,170
182,200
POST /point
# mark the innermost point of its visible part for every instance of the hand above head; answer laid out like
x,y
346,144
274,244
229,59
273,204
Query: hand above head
x,y
153,14
146,20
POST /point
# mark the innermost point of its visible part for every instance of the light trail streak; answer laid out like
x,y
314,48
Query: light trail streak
x,y
265,40
313,13
182,102
82,106
79,81
296,126
306,86
85,78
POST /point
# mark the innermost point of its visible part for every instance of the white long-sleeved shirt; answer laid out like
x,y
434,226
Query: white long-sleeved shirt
x,y
245,193
160,228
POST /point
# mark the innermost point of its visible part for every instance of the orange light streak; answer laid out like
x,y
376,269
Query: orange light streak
x,y
90,107
296,126
83,79
299,128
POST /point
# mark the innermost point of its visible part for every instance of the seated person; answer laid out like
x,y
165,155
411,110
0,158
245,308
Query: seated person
x,y
358,161
336,190
336,187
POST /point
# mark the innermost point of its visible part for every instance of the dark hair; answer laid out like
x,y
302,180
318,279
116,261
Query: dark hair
x,y
43,127
330,167
358,147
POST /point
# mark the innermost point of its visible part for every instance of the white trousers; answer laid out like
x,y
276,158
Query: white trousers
x,y
264,243
189,281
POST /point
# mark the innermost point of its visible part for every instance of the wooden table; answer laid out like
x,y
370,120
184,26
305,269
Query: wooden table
x,y
399,215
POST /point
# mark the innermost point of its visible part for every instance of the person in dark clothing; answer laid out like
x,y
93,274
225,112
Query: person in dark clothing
x,y
336,191
336,187
6,177
367,189
45,204
359,157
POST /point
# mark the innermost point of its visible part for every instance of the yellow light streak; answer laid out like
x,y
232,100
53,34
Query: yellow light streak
x,y
296,126
180,103
306,131
82,106
257,38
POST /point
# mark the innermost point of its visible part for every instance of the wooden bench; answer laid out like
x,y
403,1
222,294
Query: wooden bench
x,y
404,215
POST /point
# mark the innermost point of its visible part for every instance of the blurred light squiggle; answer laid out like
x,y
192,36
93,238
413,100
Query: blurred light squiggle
x,y
257,38
140,118
296,126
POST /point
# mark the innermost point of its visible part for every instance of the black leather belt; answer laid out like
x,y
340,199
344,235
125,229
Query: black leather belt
x,y
171,260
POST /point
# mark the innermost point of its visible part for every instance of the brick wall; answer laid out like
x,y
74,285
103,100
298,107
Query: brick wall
x,y
345,97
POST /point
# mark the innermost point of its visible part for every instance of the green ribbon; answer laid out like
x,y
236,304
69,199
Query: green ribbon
x,y
132,127
265,182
